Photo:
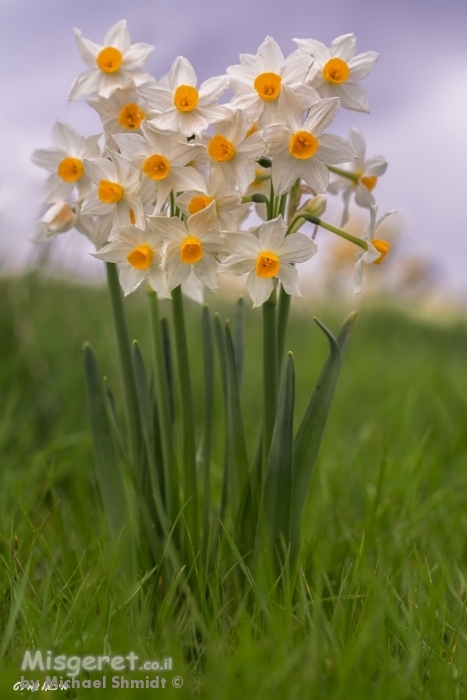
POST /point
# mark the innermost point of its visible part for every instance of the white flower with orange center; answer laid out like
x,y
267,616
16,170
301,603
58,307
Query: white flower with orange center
x,y
258,81
138,255
193,246
114,64
337,71
363,176
377,249
182,106
268,257
121,113
299,149
65,163
162,159
225,197
233,151
116,191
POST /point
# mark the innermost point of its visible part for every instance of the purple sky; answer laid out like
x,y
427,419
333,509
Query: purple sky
x,y
417,91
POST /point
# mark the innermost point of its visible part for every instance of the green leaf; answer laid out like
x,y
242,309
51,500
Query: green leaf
x,y
310,433
237,453
150,430
277,497
208,359
239,334
108,468
220,340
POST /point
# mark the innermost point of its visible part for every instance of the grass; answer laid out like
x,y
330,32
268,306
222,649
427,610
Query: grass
x,y
382,586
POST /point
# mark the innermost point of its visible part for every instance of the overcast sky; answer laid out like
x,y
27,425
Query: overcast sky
x,y
417,91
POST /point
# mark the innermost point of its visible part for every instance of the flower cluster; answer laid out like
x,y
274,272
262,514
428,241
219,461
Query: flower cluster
x,y
165,192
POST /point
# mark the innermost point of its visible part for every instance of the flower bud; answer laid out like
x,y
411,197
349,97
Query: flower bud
x,y
315,206
61,217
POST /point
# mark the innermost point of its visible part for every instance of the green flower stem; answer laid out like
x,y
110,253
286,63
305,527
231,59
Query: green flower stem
x,y
270,378
294,226
162,390
126,365
188,421
344,173
208,361
282,322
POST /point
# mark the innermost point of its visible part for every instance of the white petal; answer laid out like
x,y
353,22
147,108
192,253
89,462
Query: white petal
x,y
315,174
344,47
48,158
357,142
86,84
353,96
68,139
115,252
271,234
137,54
93,205
345,212
186,178
157,279
98,169
269,58
358,274
206,271
181,73
376,166
113,81
193,288
177,271
202,221
321,115
238,264
132,146
297,248
361,65
135,204
168,227
314,48
156,95
212,89
296,67
290,109
363,197
130,278
259,288
277,138
56,189
289,278
118,36
334,149
88,49
285,171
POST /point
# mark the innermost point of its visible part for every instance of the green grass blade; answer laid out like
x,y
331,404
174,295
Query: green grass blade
x,y
311,429
277,497
220,341
108,468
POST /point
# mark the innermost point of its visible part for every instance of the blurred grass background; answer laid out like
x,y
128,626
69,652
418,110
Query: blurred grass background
x,y
385,548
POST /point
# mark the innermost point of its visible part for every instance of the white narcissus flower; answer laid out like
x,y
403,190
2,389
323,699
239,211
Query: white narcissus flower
x,y
225,197
122,112
191,247
269,256
377,249
114,64
59,218
259,80
66,162
162,160
365,172
234,151
182,106
337,71
300,149
138,254
116,191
